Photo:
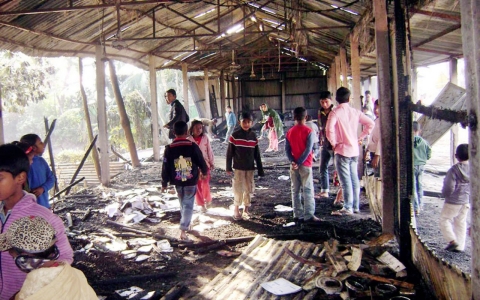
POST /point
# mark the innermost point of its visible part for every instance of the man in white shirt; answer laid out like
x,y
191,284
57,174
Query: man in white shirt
x,y
375,142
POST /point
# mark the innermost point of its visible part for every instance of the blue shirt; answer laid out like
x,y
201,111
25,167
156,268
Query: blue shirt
x,y
40,175
231,119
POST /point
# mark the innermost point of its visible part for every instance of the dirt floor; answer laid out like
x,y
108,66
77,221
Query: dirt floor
x,y
108,271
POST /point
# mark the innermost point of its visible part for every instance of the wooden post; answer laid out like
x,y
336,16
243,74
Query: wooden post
x,y
471,39
185,87
284,105
338,72
414,85
388,158
403,132
222,93
154,105
355,58
454,129
333,79
96,161
344,66
208,111
102,116
234,96
50,151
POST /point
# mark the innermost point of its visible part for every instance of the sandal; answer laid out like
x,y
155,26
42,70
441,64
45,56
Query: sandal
x,y
342,212
237,218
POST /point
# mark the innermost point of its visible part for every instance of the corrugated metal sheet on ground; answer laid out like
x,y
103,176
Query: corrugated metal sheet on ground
x,y
263,260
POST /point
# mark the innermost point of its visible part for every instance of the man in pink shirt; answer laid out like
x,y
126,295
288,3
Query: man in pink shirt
x,y
341,131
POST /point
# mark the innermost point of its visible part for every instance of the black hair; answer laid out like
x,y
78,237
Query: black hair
x,y
172,91
376,102
30,139
24,146
246,115
325,95
462,152
229,107
180,128
415,126
13,160
367,93
195,122
299,113
308,118
343,95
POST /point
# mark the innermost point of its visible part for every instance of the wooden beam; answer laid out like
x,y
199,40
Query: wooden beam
x,y
102,117
222,92
190,19
388,157
154,106
344,66
355,59
471,40
338,72
444,16
208,111
283,87
454,129
439,35
186,102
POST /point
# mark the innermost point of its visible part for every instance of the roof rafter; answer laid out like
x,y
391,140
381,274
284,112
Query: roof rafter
x,y
440,34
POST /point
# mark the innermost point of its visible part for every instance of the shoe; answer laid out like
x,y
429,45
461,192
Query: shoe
x,y
269,150
452,246
237,218
342,212
225,143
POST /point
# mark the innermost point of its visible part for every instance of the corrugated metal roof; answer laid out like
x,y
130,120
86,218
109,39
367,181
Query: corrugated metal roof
x,y
203,33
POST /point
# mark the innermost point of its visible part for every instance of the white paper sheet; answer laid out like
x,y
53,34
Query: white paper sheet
x,y
281,287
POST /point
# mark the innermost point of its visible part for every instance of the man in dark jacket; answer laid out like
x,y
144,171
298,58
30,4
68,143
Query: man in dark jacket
x,y
327,152
177,112
181,162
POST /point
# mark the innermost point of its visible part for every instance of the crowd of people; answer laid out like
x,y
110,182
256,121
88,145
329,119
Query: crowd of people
x,y
35,237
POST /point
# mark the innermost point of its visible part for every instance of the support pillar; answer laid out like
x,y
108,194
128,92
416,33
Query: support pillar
x,y
208,110
469,10
387,121
2,136
154,107
222,93
102,117
338,72
284,105
355,58
234,96
333,78
403,132
344,67
454,129
186,103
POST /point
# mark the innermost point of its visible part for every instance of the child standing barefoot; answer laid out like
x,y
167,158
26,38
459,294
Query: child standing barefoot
x,y
40,177
244,152
203,197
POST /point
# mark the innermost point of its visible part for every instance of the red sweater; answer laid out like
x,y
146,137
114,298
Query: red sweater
x,y
297,137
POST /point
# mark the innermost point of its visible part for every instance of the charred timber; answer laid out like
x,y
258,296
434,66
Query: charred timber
x,y
444,114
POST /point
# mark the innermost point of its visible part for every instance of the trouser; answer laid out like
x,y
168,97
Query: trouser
x,y
302,187
186,196
325,157
203,194
418,186
229,133
242,187
348,175
453,223
273,139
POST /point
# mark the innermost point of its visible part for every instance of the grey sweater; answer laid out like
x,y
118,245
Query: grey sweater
x,y
456,185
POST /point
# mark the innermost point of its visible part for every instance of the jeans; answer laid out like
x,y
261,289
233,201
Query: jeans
x,y
229,133
417,186
186,196
325,157
302,179
348,176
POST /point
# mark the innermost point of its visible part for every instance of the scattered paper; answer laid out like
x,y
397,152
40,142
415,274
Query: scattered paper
x,y
128,292
164,246
281,287
112,210
289,224
283,177
145,249
282,208
142,257
392,262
